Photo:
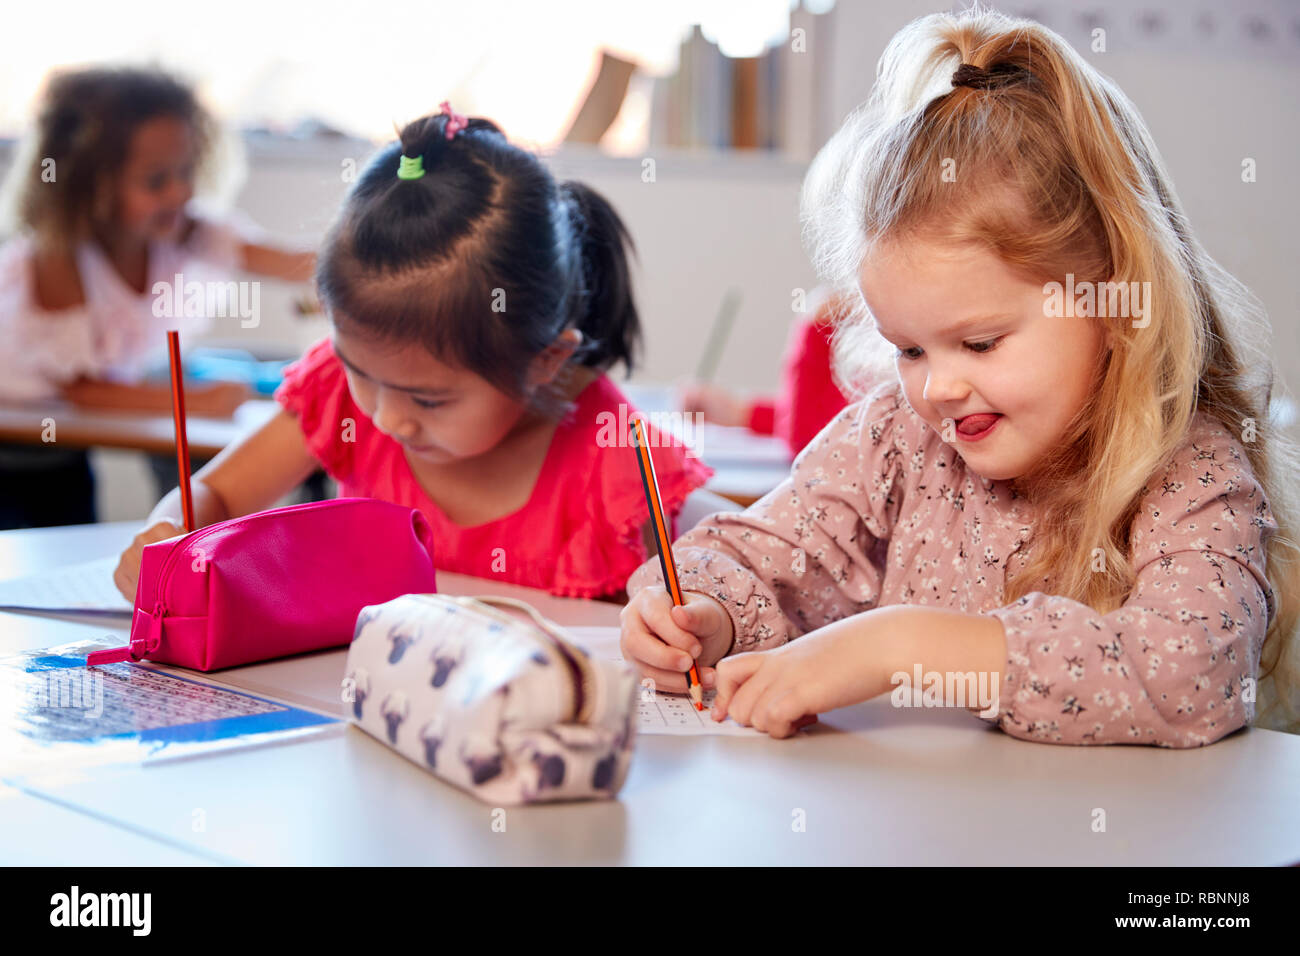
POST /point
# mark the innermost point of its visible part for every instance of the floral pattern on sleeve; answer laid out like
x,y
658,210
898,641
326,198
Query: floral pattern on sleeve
x,y
1176,665
811,551
882,511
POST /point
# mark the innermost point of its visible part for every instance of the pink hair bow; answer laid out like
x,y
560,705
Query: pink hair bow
x,y
455,121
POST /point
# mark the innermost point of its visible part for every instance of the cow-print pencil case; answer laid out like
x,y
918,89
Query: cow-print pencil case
x,y
504,706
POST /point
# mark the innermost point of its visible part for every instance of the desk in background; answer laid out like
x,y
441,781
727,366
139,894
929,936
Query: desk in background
x,y
869,785
747,466
153,432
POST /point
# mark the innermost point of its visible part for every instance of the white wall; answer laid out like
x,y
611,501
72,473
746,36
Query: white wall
x,y
703,224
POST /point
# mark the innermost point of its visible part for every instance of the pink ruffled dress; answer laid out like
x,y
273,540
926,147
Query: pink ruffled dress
x,y
579,535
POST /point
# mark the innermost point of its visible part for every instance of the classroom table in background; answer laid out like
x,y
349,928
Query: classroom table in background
x,y
148,431
869,784
747,466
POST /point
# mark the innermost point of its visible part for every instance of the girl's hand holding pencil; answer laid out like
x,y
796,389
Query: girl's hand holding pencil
x,y
658,636
662,640
127,572
680,614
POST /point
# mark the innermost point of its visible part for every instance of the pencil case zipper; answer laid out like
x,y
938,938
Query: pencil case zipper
x,y
137,649
581,678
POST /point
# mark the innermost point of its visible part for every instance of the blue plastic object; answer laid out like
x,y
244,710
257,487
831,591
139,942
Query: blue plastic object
x,y
235,365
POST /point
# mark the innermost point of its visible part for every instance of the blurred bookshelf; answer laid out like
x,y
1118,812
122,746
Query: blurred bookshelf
x,y
766,102
772,105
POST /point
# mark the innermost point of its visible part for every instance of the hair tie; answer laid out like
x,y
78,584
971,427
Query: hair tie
x,y
978,78
410,167
455,121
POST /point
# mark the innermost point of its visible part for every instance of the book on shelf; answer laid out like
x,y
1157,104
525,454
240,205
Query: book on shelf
x,y
772,101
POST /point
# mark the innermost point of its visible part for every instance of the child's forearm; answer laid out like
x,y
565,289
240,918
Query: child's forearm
x,y
208,507
895,639
292,265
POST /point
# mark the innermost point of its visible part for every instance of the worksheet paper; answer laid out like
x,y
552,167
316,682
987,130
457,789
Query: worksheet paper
x,y
659,712
61,714
75,587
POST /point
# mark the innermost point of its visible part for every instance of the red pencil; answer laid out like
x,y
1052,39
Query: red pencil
x,y
178,417
651,485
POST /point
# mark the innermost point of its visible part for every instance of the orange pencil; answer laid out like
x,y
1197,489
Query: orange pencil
x,y
651,485
178,417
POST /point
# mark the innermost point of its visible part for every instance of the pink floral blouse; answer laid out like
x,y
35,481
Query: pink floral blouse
x,y
878,510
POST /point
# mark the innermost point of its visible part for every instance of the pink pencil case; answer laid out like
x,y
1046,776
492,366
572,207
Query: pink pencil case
x,y
273,583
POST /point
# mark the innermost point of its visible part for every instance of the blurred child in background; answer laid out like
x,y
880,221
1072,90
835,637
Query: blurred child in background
x,y
809,395
102,193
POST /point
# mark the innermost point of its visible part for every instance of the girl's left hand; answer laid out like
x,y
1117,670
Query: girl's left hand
x,y
779,691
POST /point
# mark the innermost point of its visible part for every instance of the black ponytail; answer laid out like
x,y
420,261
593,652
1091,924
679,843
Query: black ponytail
x,y
605,311
484,260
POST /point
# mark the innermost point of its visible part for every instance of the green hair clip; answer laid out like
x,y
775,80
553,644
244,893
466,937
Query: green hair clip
x,y
410,167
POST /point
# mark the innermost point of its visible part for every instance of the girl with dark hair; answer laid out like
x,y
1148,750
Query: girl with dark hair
x,y
476,304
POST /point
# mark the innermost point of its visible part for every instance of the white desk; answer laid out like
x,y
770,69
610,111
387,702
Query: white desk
x,y
876,786
41,831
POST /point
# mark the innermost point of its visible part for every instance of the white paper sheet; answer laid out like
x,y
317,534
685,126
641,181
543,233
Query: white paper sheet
x,y
76,587
659,712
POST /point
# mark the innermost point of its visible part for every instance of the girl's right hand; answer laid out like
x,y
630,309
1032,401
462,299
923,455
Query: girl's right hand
x,y
128,567
661,640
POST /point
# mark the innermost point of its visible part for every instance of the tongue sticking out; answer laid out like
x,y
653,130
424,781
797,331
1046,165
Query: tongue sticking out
x,y
974,424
